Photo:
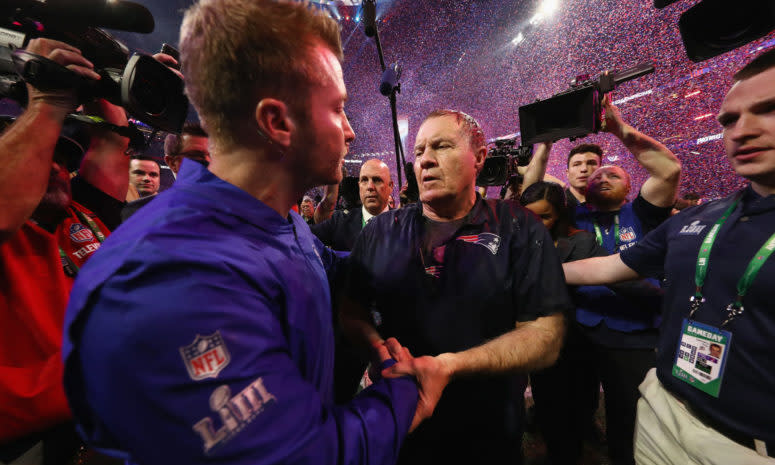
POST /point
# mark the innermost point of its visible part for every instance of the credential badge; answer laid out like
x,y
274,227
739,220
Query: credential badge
x,y
206,356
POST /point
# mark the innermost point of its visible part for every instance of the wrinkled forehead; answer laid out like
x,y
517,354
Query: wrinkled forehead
x,y
375,168
611,169
437,127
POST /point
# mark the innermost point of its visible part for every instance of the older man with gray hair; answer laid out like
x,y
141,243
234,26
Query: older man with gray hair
x,y
475,284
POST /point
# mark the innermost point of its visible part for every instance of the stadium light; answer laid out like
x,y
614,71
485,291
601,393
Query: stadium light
x,y
519,39
548,7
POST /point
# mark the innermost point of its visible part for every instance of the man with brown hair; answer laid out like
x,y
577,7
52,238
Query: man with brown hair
x,y
217,303
583,160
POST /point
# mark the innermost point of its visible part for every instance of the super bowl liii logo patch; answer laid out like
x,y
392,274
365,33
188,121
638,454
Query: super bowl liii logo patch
x,y
235,412
695,228
206,356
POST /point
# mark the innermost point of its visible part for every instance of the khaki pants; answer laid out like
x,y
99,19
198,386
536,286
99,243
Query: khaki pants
x,y
666,433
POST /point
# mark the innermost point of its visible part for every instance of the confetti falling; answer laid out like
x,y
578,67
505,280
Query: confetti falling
x,y
464,55
489,57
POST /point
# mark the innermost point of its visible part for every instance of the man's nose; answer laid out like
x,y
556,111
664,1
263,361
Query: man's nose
x,y
427,160
746,127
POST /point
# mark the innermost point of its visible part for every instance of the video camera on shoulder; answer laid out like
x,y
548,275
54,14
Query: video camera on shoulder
x,y
502,162
575,112
146,88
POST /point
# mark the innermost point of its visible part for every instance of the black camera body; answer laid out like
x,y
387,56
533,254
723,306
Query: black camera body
x,y
502,162
147,89
575,112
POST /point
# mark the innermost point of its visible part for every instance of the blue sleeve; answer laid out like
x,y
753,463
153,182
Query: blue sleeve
x,y
647,257
132,385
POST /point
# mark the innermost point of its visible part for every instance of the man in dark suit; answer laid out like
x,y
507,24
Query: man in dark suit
x,y
375,187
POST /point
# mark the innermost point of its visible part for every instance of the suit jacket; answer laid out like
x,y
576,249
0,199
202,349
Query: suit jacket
x,y
341,230
130,208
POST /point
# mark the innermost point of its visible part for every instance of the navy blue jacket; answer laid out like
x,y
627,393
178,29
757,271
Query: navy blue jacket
x,y
202,334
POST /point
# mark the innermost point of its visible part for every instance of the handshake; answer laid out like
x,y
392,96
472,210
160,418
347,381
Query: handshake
x,y
432,374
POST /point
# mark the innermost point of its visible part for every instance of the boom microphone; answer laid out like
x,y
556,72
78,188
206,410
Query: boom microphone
x,y
370,17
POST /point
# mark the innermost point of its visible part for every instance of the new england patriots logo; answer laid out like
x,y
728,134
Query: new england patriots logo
x,y
489,240
434,271
80,233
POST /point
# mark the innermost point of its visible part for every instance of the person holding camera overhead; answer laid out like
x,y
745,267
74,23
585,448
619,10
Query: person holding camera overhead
x,y
619,340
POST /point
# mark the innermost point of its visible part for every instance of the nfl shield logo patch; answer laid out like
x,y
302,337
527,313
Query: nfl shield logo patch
x,y
80,233
206,356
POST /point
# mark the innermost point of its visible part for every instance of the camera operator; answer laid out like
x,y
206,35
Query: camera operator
x,y
618,342
49,226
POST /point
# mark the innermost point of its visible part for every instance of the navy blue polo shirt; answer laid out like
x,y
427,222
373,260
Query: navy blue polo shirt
x,y
746,402
499,268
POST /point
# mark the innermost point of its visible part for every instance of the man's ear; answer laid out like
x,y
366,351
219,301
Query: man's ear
x,y
173,162
480,154
274,122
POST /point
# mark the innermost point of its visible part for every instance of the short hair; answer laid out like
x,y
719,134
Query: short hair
x,y
236,52
584,148
146,158
173,143
760,64
627,176
307,198
470,125
691,196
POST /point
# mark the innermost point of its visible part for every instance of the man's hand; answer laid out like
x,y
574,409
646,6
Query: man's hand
x,y
613,122
664,168
325,208
432,373
67,56
170,61
536,169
